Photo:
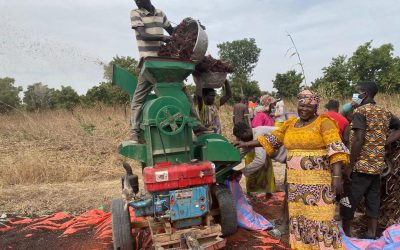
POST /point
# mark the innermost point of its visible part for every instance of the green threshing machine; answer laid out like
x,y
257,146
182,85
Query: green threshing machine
x,y
184,177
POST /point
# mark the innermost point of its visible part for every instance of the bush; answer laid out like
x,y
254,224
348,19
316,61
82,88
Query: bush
x,y
9,98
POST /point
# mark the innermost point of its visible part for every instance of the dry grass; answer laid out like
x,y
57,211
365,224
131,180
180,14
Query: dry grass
x,y
56,161
59,146
43,199
59,161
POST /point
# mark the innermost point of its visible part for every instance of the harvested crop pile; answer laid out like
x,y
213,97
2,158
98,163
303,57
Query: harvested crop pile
x,y
210,64
182,42
390,202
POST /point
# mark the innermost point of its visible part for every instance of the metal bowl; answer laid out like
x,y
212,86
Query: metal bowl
x,y
201,46
212,80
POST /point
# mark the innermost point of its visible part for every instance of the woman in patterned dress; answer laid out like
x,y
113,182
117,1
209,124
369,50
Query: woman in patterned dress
x,y
315,156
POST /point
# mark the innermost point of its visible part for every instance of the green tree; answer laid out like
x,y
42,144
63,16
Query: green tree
x,y
243,55
335,81
106,93
377,64
66,98
288,84
9,98
38,97
125,62
251,88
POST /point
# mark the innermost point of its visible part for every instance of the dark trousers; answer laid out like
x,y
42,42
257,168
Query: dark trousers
x,y
361,185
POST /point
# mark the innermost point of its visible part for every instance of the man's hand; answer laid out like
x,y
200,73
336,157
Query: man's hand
x,y
250,144
337,184
240,144
166,39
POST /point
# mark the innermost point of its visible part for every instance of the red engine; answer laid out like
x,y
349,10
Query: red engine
x,y
165,176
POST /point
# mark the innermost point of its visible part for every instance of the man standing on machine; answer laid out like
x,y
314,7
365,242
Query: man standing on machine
x,y
149,24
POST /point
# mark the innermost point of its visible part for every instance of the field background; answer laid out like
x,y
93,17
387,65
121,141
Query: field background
x,y
68,161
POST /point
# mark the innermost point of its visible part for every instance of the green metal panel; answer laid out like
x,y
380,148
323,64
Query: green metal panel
x,y
167,71
175,90
203,139
214,147
217,149
152,108
124,79
175,149
134,151
163,144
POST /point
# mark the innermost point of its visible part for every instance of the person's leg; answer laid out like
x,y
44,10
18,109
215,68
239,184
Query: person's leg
x,y
270,185
143,88
199,128
286,201
372,201
354,193
193,111
284,227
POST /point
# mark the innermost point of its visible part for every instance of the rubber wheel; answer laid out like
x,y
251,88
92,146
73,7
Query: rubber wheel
x,y
121,226
227,217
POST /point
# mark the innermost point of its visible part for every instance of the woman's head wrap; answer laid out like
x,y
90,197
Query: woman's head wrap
x,y
306,96
266,100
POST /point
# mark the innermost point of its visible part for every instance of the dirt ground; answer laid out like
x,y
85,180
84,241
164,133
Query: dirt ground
x,y
43,239
22,238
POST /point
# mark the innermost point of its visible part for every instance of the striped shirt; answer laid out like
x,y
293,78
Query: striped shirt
x,y
153,24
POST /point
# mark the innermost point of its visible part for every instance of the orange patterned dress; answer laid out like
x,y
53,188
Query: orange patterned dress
x,y
311,201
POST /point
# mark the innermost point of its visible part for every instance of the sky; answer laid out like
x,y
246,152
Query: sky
x,y
67,42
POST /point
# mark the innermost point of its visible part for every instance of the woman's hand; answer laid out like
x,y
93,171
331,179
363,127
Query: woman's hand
x,y
347,174
337,184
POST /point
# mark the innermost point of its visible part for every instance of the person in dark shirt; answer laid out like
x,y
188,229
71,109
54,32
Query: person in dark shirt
x,y
241,112
371,131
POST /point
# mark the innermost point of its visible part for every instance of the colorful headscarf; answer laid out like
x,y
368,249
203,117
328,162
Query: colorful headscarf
x,y
266,100
306,96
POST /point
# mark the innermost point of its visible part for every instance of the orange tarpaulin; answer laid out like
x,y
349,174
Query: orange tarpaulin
x,y
68,224
93,230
